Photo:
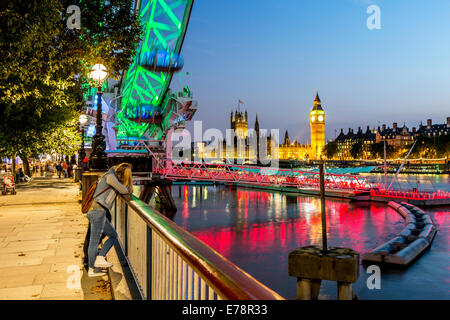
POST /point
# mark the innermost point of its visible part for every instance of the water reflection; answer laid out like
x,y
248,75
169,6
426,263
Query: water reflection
x,y
257,229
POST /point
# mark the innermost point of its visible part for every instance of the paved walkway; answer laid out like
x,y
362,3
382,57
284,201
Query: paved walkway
x,y
42,231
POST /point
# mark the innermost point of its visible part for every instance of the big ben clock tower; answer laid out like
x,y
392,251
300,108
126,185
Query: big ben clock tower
x,y
317,122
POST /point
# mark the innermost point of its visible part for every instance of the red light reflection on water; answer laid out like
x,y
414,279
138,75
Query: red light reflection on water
x,y
441,217
257,229
358,226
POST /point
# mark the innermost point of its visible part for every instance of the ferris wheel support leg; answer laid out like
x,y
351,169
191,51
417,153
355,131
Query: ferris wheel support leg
x,y
169,144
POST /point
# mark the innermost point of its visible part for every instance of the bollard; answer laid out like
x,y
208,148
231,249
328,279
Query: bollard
x,y
78,172
303,289
345,291
310,265
87,179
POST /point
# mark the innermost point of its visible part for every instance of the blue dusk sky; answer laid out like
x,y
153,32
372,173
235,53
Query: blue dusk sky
x,y
275,54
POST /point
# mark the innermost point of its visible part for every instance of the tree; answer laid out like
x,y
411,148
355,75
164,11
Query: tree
x,y
35,95
377,150
431,147
44,65
356,150
109,33
330,149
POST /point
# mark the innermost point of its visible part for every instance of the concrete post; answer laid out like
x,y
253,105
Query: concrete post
x,y
311,265
345,291
315,289
303,289
308,289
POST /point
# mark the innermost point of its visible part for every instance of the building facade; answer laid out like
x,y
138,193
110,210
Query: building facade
x,y
395,137
346,141
246,145
293,150
317,124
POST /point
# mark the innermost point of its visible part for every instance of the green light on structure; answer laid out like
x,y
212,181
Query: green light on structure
x,y
165,23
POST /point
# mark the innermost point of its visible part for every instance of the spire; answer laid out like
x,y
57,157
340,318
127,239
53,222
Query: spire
x,y
286,138
317,99
317,102
256,124
232,119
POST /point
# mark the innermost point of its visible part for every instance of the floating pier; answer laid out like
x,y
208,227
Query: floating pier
x,y
423,199
417,236
349,194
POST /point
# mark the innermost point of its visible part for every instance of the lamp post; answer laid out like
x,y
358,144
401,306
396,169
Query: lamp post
x,y
98,158
82,152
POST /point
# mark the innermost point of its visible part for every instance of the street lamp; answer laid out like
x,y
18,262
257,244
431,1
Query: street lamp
x,y
82,152
98,158
83,120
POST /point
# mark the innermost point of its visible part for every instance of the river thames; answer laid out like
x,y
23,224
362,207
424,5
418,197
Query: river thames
x,y
256,230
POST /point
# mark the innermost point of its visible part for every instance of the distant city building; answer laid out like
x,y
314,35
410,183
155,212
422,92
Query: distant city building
x,y
396,137
293,150
288,150
317,123
345,143
432,130
239,123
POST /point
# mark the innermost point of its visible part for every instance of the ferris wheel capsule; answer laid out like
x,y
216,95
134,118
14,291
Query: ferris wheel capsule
x,y
162,61
157,58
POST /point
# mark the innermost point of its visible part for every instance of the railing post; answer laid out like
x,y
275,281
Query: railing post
x,y
126,229
149,263
115,213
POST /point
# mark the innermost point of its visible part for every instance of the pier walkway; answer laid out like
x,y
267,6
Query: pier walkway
x,y
42,232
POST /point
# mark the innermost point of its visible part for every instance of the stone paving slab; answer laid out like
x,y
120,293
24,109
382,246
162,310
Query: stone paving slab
x,y
42,232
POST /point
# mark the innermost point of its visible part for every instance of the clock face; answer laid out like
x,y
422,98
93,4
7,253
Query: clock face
x,y
313,118
320,118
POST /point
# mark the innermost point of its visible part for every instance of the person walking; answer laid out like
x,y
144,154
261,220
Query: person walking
x,y
65,167
59,169
115,181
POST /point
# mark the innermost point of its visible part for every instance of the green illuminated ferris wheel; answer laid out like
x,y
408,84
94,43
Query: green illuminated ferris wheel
x,y
143,108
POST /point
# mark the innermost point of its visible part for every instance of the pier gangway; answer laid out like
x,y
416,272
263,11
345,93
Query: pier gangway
x,y
300,179
232,173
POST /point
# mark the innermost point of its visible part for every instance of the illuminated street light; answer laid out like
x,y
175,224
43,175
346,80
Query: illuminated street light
x,y
83,120
82,153
98,158
98,73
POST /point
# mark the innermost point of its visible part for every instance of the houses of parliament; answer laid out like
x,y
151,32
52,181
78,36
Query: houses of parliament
x,y
287,150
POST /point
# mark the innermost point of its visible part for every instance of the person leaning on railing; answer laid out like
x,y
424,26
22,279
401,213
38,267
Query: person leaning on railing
x,y
116,180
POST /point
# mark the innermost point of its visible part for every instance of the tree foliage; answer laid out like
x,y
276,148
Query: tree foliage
x,y
377,150
356,150
109,33
431,147
44,64
331,149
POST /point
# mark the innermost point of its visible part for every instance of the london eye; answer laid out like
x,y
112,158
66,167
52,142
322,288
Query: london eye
x,y
147,107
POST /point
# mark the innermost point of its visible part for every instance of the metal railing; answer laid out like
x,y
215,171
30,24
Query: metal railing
x,y
169,263
173,170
